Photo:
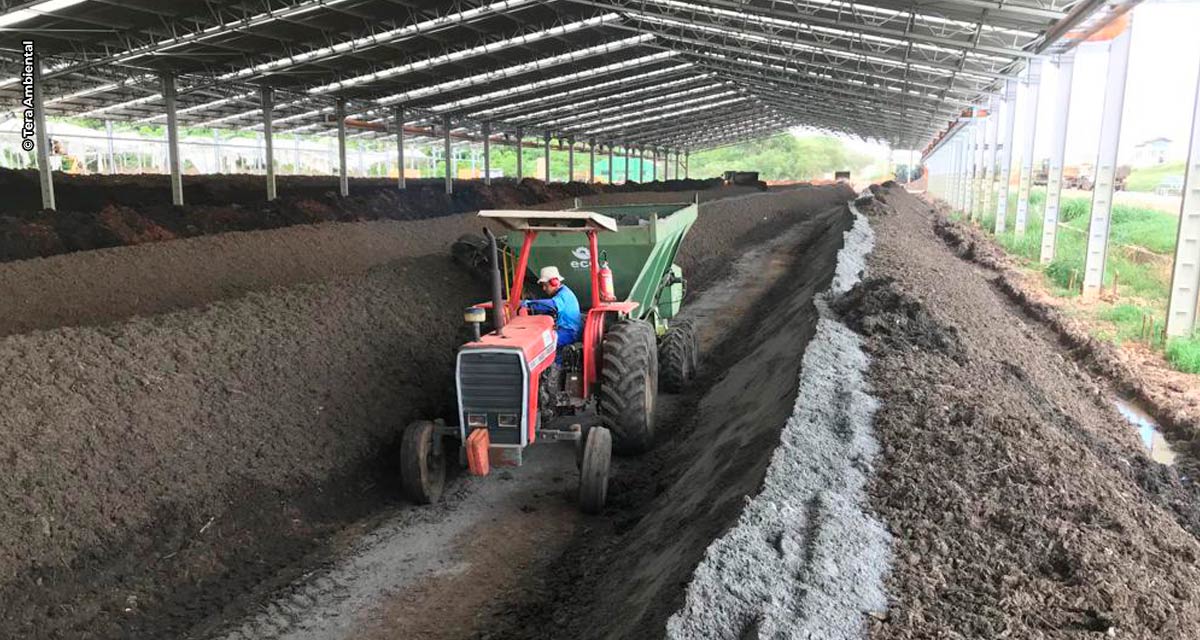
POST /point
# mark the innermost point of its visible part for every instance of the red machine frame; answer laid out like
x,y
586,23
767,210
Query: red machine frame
x,y
593,327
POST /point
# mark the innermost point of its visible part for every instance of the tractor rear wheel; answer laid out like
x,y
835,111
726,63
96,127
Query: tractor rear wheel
x,y
422,466
593,471
629,385
678,357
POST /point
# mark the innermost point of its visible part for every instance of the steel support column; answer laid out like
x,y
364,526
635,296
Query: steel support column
x,y
964,168
268,109
343,176
217,156
592,161
487,153
449,154
642,164
401,180
546,177
687,164
654,164
168,83
1010,121
1106,165
952,173
967,178
989,158
112,156
520,154
627,152
1058,151
570,159
1185,279
42,136
952,178
1033,85
611,163
975,162
960,171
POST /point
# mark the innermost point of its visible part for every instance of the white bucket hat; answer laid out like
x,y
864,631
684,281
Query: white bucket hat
x,y
550,272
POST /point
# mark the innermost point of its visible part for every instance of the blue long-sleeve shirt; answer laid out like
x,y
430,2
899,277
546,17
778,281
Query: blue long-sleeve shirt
x,y
568,321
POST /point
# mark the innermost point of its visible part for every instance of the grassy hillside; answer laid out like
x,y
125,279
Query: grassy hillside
x,y
1145,179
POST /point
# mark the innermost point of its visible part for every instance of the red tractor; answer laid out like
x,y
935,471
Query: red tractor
x,y
517,386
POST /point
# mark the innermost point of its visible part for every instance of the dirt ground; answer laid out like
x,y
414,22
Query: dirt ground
x,y
1021,502
96,212
623,576
163,468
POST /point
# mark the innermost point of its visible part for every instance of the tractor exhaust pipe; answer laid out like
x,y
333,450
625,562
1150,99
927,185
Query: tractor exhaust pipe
x,y
497,287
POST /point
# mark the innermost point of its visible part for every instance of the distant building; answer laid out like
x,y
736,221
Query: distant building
x,y
1152,152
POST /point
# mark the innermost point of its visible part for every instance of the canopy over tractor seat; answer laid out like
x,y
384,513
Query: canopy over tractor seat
x,y
520,220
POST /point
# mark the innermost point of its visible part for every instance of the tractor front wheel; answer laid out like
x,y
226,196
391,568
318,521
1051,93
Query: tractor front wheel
x,y
422,465
678,357
629,385
593,471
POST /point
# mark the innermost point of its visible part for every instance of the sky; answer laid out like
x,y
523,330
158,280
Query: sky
x,y
1160,89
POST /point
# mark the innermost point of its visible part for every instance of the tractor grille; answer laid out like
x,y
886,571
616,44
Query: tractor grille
x,y
491,383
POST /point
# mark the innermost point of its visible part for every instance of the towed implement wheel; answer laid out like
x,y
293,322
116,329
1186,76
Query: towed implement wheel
x,y
471,252
678,357
629,385
593,471
422,466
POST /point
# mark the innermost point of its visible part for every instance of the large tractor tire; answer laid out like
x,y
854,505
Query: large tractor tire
x,y
629,385
593,470
678,357
422,468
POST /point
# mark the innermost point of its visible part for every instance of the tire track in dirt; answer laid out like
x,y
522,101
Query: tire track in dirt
x,y
623,578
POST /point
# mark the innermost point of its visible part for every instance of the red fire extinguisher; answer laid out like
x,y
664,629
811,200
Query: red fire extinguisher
x,y
607,293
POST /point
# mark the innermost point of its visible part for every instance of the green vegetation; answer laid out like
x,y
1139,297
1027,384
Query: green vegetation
x,y
1134,323
781,157
1184,354
1138,266
1145,179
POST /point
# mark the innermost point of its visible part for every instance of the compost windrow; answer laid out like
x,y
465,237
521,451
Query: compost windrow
x,y
1021,502
95,212
166,472
107,285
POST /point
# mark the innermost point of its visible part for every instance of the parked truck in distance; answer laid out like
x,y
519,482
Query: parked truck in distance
x,y
743,179
1082,177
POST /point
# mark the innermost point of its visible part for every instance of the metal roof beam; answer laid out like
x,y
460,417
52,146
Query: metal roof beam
x,y
618,105
503,107
592,94
850,24
526,37
515,70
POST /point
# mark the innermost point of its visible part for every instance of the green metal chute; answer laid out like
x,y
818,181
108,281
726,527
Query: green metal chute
x,y
641,255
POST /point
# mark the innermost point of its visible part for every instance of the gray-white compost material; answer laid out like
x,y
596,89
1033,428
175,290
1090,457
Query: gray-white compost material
x,y
805,559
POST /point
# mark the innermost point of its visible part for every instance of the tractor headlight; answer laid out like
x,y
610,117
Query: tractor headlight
x,y
508,420
474,315
477,420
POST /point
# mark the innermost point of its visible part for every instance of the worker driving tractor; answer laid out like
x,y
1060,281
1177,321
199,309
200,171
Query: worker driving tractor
x,y
560,303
